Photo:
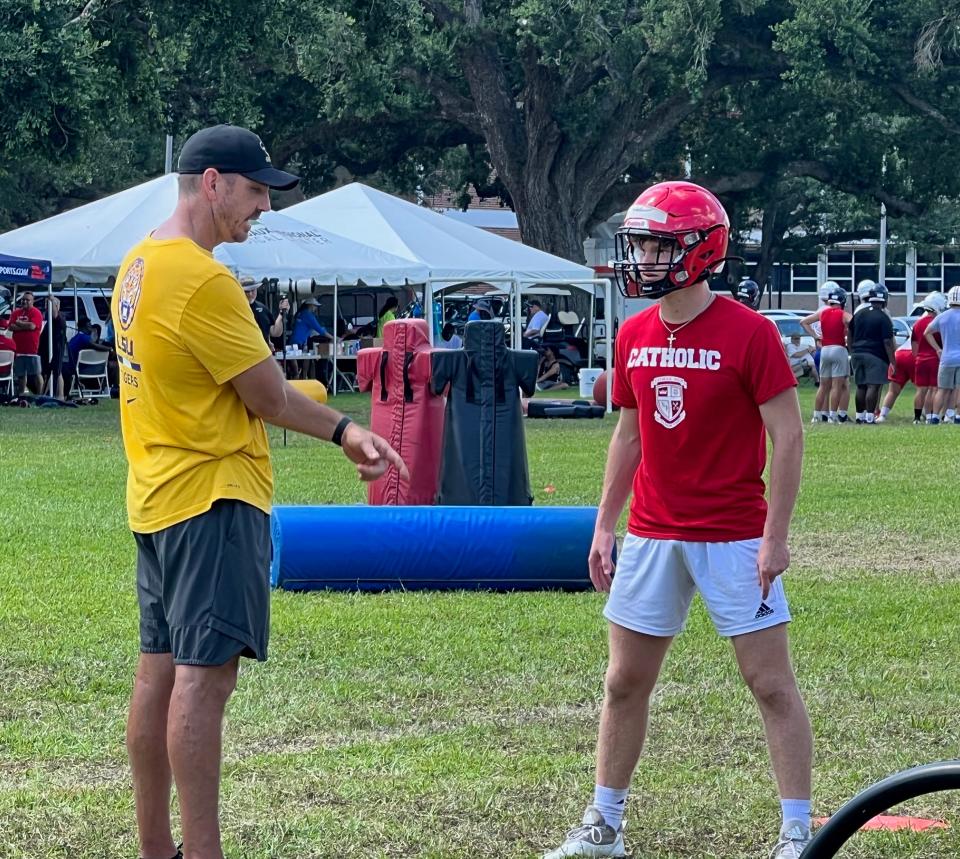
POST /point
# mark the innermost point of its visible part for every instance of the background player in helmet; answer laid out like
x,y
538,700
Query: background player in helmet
x,y
925,361
871,343
902,371
863,294
948,376
833,396
749,293
699,380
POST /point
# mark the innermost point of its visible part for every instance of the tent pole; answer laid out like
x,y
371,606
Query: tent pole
x,y
50,330
518,310
333,345
428,309
593,315
608,325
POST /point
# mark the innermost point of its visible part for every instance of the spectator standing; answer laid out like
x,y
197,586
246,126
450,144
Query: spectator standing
x,y
269,325
51,353
26,323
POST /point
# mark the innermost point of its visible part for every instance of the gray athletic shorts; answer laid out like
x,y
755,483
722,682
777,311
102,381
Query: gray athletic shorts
x,y
204,586
834,362
26,365
948,377
868,369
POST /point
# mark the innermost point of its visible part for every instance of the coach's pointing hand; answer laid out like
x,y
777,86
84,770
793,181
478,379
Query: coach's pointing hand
x,y
372,454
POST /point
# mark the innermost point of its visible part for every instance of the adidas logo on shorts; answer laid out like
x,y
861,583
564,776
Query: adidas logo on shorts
x,y
763,611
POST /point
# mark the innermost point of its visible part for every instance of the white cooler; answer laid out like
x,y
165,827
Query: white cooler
x,y
587,379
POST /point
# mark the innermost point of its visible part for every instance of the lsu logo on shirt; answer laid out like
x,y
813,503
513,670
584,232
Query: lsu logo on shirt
x,y
130,293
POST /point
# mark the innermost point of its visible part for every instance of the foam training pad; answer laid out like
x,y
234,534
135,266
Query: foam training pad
x,y
311,388
432,548
484,449
404,410
563,409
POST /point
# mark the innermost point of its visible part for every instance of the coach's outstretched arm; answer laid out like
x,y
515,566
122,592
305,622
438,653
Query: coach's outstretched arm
x,y
781,417
267,394
623,459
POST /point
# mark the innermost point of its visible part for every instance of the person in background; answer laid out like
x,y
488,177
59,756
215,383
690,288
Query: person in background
x,y
926,362
51,355
902,371
947,325
85,338
481,310
449,339
536,324
305,326
387,314
871,343
833,396
269,325
801,356
548,372
26,322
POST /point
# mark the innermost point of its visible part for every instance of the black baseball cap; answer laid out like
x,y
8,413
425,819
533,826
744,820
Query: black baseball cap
x,y
230,149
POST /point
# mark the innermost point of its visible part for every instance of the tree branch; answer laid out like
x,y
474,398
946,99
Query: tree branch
x,y
925,108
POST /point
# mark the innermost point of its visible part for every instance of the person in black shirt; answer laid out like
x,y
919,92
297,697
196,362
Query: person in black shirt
x,y
270,326
871,343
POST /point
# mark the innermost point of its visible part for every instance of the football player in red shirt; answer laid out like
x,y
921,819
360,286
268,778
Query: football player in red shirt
x,y
700,381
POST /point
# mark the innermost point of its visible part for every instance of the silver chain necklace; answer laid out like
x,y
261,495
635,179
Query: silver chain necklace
x,y
672,332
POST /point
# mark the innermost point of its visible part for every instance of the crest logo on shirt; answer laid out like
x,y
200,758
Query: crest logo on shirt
x,y
130,293
668,391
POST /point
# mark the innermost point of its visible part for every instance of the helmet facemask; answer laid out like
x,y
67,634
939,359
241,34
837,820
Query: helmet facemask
x,y
650,264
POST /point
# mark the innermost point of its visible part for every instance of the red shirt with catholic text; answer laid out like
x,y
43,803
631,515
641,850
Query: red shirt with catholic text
x,y
703,445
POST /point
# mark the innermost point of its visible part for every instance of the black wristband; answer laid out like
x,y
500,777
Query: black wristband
x,y
337,437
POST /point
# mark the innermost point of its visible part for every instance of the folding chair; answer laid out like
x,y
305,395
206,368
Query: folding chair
x,y
91,368
6,371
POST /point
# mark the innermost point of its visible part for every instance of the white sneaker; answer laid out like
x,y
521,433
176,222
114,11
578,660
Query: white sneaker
x,y
794,837
880,420
593,837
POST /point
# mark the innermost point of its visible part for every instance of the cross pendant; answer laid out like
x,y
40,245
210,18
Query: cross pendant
x,y
670,339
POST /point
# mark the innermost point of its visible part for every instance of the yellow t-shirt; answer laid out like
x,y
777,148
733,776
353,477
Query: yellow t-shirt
x,y
183,330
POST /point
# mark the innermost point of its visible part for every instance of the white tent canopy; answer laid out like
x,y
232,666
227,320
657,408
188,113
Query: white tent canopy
x,y
89,242
451,249
279,246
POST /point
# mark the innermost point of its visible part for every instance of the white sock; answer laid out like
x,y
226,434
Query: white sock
x,y
796,809
884,411
861,416
950,414
842,413
817,414
611,803
833,416
871,417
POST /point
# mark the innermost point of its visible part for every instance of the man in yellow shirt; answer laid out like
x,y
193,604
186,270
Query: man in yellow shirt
x,y
197,382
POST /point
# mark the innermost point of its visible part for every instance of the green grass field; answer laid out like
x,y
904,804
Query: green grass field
x,y
463,725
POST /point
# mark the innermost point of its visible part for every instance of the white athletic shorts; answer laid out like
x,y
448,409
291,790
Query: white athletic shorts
x,y
655,581
834,362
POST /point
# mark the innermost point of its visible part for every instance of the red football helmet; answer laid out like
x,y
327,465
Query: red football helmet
x,y
674,235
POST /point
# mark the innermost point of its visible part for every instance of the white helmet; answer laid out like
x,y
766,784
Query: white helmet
x,y
828,287
953,296
864,287
935,302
